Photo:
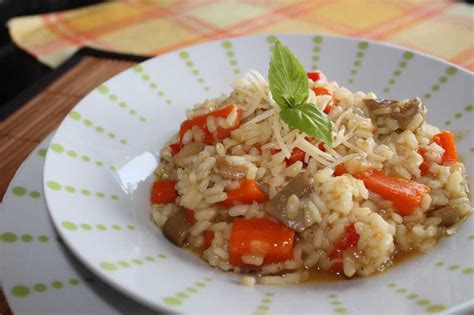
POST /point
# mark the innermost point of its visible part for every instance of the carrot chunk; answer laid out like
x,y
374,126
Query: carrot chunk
x,y
445,139
260,237
163,191
248,192
406,195
201,122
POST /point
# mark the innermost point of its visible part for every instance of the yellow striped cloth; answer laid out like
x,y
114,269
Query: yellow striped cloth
x,y
440,28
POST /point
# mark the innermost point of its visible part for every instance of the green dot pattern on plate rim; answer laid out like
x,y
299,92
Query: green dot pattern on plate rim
x,y
123,264
10,237
138,69
74,115
468,109
53,185
264,304
42,152
405,59
73,154
114,98
468,271
449,71
23,291
317,41
21,191
428,305
180,297
185,56
360,54
230,54
68,225
337,304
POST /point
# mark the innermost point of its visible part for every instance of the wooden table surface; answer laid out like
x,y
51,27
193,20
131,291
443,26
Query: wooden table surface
x,y
39,116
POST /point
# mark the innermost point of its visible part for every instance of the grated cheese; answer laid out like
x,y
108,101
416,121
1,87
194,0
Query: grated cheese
x,y
277,130
262,116
342,160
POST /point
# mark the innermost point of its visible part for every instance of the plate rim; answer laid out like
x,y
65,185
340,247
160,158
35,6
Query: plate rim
x,y
157,305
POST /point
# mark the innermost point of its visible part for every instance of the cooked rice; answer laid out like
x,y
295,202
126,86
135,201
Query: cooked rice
x,y
335,202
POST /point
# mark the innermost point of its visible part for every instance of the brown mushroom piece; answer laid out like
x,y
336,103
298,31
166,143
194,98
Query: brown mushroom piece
x,y
276,207
229,171
448,215
176,228
188,150
402,111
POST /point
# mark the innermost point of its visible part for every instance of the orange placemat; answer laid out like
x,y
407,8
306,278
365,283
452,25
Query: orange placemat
x,y
39,110
440,27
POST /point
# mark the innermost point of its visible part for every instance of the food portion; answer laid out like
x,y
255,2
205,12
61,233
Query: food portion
x,y
297,174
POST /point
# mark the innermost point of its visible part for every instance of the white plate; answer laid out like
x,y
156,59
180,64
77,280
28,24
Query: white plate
x,y
39,274
98,175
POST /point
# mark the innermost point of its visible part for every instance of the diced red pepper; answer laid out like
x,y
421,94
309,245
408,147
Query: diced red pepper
x,y
348,239
264,237
319,90
317,75
323,91
163,191
201,123
322,147
340,170
208,237
296,155
190,216
248,192
175,148
445,139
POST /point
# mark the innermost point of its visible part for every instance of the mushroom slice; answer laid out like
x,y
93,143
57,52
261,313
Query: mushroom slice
x,y
277,206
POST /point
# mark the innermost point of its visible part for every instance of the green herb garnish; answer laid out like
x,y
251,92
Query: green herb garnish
x,y
290,90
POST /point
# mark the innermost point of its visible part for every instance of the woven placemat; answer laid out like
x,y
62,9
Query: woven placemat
x,y
33,115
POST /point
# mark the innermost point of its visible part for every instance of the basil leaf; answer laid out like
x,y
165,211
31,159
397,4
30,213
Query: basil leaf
x,y
310,120
287,77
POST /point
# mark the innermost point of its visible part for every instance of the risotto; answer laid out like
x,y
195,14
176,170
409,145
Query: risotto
x,y
253,195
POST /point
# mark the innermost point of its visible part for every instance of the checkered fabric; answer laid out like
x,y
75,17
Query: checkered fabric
x,y
441,28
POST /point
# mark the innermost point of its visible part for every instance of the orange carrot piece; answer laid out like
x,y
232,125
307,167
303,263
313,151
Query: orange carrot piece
x,y
208,237
445,139
201,123
262,237
248,192
406,195
163,191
